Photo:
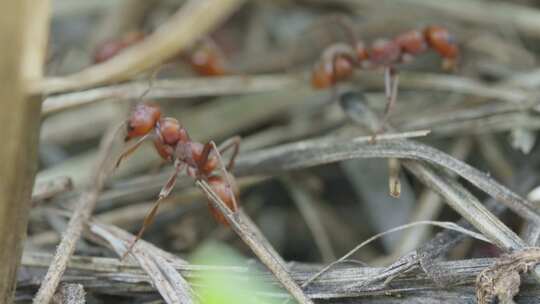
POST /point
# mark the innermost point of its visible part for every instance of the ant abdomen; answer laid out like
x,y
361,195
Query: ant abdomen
x,y
226,192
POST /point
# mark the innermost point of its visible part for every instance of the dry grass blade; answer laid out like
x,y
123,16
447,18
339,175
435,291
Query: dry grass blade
x,y
86,204
194,19
70,294
166,279
109,276
172,88
304,202
445,225
468,207
524,18
316,152
48,189
260,250
457,84
430,204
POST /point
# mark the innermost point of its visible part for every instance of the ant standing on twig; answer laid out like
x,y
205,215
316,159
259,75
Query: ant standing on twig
x,y
339,60
173,144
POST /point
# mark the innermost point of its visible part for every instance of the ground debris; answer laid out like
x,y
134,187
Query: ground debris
x,y
502,280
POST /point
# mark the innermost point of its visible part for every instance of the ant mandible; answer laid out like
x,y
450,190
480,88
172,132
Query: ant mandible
x,y
205,59
338,61
173,144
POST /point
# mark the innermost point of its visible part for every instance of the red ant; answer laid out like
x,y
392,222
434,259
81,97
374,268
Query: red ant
x,y
206,59
173,144
338,61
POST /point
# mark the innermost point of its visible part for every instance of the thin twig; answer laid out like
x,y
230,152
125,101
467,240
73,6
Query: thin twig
x,y
526,19
467,206
170,284
317,152
256,246
192,21
304,202
445,225
172,88
430,204
48,189
457,84
86,204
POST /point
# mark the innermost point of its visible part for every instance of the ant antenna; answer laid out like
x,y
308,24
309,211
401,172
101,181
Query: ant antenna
x,y
151,79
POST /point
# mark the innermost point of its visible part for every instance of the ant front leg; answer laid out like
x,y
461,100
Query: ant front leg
x,y
164,193
132,149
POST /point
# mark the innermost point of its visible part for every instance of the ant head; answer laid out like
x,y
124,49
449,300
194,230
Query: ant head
x,y
443,43
171,131
384,52
412,42
142,120
322,76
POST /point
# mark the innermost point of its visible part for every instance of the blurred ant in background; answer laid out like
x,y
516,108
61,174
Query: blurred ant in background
x,y
172,142
205,59
338,61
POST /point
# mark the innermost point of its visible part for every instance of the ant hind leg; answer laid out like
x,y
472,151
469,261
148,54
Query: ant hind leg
x,y
234,143
149,218
228,177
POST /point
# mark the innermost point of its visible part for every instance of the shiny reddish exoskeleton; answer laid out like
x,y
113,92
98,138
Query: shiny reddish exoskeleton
x,y
111,48
338,63
173,144
205,59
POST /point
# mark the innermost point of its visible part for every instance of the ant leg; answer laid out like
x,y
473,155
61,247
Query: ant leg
x,y
149,218
131,149
204,156
391,80
228,177
233,142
